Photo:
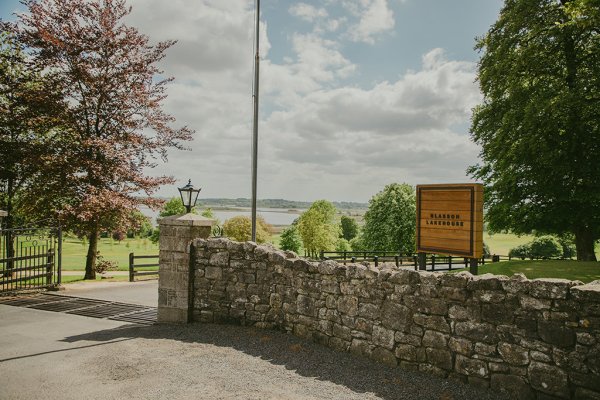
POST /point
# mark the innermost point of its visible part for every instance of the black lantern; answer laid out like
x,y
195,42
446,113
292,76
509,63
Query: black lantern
x,y
189,195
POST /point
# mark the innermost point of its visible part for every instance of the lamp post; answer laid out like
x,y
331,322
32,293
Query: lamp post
x,y
189,195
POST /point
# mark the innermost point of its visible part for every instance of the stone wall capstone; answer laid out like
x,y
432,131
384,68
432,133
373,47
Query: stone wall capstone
x,y
535,339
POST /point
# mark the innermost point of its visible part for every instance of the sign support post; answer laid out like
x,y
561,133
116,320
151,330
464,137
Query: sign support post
x,y
473,268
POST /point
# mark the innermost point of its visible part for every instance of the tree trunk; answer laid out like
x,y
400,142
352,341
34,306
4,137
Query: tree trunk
x,y
90,261
584,242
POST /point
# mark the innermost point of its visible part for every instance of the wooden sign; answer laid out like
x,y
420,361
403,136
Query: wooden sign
x,y
450,219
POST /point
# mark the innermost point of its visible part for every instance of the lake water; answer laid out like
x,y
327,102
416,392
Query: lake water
x,y
273,216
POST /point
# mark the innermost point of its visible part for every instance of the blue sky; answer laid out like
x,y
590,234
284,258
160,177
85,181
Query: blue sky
x,y
355,94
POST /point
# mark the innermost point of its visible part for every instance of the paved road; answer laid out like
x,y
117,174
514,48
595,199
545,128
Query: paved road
x,y
143,292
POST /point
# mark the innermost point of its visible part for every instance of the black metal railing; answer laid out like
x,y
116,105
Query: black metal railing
x,y
133,272
433,262
30,258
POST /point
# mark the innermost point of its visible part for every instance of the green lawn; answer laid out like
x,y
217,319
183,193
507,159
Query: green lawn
x,y
501,243
565,269
74,252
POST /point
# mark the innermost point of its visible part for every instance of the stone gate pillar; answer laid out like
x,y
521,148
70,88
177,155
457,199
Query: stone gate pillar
x,y
174,292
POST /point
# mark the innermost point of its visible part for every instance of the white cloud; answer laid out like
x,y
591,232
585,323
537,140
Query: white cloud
x,y
375,18
320,137
307,12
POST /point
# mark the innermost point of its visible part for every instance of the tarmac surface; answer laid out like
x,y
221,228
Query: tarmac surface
x,y
55,355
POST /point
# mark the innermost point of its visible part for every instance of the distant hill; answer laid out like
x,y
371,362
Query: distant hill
x,y
277,203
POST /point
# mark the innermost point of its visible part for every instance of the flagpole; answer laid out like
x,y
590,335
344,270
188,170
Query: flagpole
x,y
255,124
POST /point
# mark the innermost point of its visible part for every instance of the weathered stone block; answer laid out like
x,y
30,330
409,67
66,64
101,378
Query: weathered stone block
x,y
435,339
477,331
440,358
406,352
586,394
532,303
384,356
369,311
470,367
383,337
548,379
395,316
515,386
348,305
460,345
513,354
434,322
556,334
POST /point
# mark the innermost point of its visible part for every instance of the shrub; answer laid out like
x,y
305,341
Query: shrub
x,y
240,228
290,240
118,235
545,247
103,265
523,251
342,245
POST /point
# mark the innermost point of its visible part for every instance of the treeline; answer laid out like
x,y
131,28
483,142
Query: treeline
x,y
278,203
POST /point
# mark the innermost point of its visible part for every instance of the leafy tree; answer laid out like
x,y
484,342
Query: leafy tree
x,y
318,229
358,244
290,240
141,225
390,221
174,207
349,227
117,126
31,111
240,228
539,124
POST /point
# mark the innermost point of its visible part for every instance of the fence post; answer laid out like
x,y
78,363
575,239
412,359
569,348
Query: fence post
x,y
422,261
466,262
376,260
322,254
49,263
344,255
131,273
449,263
433,262
353,259
59,261
416,262
396,259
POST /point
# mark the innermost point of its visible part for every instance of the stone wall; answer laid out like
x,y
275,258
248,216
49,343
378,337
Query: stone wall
x,y
533,338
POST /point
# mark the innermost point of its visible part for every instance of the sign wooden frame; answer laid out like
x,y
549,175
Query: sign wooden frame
x,y
450,219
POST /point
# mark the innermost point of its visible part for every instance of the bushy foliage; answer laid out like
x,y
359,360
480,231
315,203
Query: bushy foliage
x,y
357,244
118,235
103,265
342,245
318,229
290,240
390,220
545,247
540,247
240,228
522,251
349,227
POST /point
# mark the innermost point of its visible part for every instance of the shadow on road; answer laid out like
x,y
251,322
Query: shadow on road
x,y
305,358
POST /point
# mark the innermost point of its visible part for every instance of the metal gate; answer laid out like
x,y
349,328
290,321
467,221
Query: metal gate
x,y
30,258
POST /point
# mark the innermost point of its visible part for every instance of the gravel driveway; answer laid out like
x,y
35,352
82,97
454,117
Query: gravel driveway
x,y
54,355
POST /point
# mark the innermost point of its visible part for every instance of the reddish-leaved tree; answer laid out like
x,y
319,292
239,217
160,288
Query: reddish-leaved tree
x,y
116,125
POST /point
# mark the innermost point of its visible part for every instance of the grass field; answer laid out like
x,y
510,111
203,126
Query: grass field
x,y
501,243
565,269
75,251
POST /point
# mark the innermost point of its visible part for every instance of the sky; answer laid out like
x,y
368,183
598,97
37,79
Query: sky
x,y
354,94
